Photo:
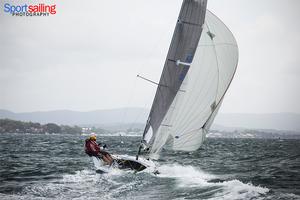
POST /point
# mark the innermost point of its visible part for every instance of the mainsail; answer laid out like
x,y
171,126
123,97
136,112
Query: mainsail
x,y
199,68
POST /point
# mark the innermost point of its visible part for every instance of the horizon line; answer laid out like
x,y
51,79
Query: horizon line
x,y
120,108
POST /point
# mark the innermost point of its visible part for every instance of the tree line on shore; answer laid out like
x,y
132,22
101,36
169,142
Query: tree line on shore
x,y
13,126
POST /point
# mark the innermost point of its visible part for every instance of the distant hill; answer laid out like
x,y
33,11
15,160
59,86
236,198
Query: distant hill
x,y
129,117
97,117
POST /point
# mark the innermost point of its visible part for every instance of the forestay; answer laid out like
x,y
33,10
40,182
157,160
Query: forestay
x,y
195,78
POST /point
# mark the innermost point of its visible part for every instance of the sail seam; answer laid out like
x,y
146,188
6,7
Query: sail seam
x,y
188,23
171,60
220,44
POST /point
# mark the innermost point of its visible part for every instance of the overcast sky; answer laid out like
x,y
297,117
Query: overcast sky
x,y
87,56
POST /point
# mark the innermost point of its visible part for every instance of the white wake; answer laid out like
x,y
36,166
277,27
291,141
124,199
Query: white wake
x,y
188,176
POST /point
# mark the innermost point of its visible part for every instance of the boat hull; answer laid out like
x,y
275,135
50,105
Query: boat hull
x,y
126,163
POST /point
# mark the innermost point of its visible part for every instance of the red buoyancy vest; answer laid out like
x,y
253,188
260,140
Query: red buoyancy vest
x,y
91,147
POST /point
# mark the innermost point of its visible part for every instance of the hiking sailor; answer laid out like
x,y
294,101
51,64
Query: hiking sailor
x,y
94,149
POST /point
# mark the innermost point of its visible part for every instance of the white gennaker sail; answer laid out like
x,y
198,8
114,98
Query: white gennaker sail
x,y
204,78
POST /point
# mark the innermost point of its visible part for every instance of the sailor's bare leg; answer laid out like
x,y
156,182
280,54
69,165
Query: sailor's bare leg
x,y
107,161
107,158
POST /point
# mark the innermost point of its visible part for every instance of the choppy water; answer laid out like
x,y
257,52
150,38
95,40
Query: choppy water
x,y
55,167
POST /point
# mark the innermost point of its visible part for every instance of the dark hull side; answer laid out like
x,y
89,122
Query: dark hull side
x,y
130,165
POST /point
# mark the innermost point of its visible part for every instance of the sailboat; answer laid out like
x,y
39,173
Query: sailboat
x,y
199,68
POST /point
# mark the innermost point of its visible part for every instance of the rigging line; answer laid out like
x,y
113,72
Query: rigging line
x,y
150,81
157,83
